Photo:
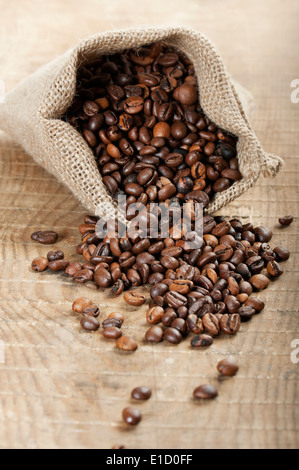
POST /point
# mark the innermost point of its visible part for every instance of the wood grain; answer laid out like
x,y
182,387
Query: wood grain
x,y
61,387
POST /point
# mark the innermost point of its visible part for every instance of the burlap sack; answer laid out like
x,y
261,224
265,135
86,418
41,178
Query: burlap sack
x,y
32,111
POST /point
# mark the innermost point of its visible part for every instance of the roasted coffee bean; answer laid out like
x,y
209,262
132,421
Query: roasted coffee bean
x,y
259,281
126,343
227,366
92,311
141,393
154,315
89,323
54,255
211,324
112,332
205,392
172,335
81,303
58,265
154,334
112,322
102,277
282,253
46,237
134,298
131,415
230,323
286,220
201,341
262,234
39,264
274,269
257,304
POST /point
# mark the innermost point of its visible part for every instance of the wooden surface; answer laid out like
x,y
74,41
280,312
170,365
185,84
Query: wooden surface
x,y
61,387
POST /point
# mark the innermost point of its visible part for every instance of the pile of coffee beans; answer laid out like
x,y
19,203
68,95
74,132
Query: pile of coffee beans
x,y
139,112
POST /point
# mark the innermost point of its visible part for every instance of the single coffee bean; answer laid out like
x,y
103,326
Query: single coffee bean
x,y
282,253
46,237
81,303
201,341
54,255
286,220
230,323
141,393
154,334
259,281
131,415
39,264
58,265
134,298
274,269
73,268
257,304
205,392
227,366
89,323
172,335
92,311
126,343
112,332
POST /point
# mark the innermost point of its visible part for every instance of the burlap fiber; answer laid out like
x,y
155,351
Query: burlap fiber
x,y
32,111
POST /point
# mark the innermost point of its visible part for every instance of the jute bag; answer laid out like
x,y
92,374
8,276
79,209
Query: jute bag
x,y
32,111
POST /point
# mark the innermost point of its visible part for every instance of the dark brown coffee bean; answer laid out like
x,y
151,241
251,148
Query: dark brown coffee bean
x,y
227,366
131,415
73,268
154,334
58,265
112,332
205,392
89,323
172,335
54,255
46,237
91,311
39,264
257,304
230,323
201,341
282,253
286,220
274,269
81,303
141,393
211,324
102,277
262,234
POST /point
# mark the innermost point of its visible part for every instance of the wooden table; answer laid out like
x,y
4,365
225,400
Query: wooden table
x,y
61,387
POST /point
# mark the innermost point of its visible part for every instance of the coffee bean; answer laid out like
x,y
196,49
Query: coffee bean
x,y
274,269
54,255
205,392
227,366
201,341
141,393
126,343
282,253
89,323
46,237
134,298
92,311
131,415
112,332
286,220
58,265
154,334
39,264
259,281
81,303
172,335
230,323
